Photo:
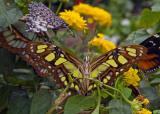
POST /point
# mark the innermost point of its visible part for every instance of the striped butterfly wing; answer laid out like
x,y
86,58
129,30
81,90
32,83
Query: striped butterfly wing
x,y
16,43
117,61
146,55
62,66
45,58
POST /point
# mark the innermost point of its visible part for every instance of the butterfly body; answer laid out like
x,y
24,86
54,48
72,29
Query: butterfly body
x,y
67,70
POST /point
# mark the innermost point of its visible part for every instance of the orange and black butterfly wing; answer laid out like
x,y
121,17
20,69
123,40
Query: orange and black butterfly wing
x,y
45,58
117,61
151,60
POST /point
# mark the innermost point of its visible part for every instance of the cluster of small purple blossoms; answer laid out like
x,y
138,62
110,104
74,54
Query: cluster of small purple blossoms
x,y
41,18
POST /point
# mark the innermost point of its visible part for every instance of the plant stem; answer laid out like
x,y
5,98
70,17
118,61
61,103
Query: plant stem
x,y
128,101
96,111
116,83
62,97
59,7
113,96
112,88
50,4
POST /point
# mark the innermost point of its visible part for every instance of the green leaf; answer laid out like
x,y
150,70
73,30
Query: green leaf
x,y
7,64
19,102
103,110
41,102
147,90
23,77
21,3
39,0
104,93
21,27
79,103
2,80
8,15
149,18
96,111
156,112
126,92
156,7
154,104
155,81
119,107
4,97
136,37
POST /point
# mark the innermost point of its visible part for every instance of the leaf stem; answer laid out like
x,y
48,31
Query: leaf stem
x,y
113,96
96,111
116,84
50,4
59,7
62,97
128,101
112,88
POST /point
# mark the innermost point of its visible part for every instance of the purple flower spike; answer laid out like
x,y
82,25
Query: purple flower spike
x,y
41,18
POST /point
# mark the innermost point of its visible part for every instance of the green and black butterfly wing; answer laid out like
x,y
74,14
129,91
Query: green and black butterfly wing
x,y
45,58
62,66
16,43
117,61
107,67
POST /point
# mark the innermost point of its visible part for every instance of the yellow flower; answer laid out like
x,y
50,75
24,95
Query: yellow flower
x,y
142,100
102,17
104,44
73,19
99,15
84,9
138,103
144,111
146,101
131,77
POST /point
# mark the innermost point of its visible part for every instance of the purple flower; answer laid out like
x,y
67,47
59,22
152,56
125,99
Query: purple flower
x,y
41,18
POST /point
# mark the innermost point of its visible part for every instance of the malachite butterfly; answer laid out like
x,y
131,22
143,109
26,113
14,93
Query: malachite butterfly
x,y
67,70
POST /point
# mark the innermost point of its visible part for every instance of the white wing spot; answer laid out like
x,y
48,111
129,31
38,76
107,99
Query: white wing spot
x,y
156,35
152,43
121,70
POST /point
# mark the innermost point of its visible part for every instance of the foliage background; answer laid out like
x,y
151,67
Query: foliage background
x,y
23,92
